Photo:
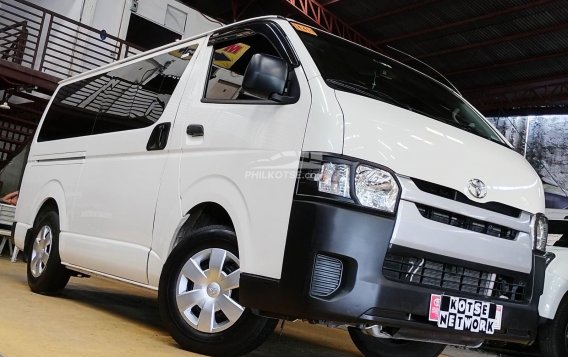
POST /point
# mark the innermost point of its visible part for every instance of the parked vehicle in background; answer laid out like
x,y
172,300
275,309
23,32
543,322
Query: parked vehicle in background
x,y
271,170
556,202
554,329
553,307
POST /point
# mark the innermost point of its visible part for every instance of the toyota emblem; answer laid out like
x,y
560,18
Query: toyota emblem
x,y
477,188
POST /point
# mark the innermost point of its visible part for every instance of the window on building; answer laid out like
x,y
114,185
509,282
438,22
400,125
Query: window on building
x,y
147,34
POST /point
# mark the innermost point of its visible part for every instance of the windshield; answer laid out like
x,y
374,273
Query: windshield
x,y
351,68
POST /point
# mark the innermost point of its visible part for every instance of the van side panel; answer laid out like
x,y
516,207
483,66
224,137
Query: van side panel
x,y
247,162
44,181
122,176
52,171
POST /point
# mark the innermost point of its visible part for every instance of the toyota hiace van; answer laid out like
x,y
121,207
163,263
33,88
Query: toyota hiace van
x,y
269,170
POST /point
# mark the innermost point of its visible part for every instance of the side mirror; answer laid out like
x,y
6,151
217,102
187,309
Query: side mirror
x,y
265,77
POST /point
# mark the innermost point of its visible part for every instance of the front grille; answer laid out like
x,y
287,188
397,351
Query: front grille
x,y
455,195
471,224
326,276
449,277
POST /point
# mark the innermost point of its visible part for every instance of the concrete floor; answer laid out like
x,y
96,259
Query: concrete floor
x,y
98,317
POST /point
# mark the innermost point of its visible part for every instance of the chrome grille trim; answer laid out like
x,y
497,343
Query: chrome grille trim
x,y
410,192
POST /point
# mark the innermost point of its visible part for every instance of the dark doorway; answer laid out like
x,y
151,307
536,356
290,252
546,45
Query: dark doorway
x,y
147,34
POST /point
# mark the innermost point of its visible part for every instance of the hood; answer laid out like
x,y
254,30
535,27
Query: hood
x,y
417,146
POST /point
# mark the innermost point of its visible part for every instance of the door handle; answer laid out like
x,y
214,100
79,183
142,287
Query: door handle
x,y
195,130
159,137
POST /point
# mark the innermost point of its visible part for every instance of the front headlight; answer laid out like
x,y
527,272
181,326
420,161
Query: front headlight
x,y
334,179
376,188
348,181
540,231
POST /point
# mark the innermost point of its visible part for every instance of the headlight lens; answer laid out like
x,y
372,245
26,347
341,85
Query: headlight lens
x,y
345,180
334,179
375,188
540,232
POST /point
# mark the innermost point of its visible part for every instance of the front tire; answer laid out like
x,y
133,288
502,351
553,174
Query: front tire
x,y
45,273
553,335
198,297
384,347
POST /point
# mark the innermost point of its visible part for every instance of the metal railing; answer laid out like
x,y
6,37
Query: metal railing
x,y
45,41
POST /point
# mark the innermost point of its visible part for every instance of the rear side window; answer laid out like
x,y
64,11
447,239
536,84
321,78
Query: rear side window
x,y
228,64
125,98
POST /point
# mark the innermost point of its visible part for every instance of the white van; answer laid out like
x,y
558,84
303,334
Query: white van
x,y
271,170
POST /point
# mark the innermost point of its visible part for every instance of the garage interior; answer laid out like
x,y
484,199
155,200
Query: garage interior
x,y
508,58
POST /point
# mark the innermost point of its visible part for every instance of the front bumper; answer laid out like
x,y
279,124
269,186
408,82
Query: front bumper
x,y
360,240
20,232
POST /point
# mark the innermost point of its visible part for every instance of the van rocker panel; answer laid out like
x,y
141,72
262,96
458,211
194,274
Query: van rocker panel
x,y
322,232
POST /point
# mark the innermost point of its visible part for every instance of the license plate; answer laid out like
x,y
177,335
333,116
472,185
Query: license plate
x,y
465,314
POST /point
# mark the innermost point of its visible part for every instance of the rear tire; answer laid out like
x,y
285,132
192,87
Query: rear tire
x,y
45,273
199,293
553,335
384,347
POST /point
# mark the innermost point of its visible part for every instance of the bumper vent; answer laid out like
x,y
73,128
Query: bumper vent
x,y
450,277
326,276
465,222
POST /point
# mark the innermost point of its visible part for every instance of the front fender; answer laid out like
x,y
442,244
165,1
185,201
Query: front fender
x,y
224,192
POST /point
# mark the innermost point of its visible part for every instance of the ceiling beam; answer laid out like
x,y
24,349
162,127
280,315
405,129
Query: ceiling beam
x,y
537,101
522,84
31,97
329,2
515,112
563,53
490,15
539,96
534,97
238,14
324,18
395,11
16,120
500,39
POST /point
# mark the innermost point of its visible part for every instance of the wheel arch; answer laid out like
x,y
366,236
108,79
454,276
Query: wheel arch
x,y
209,194
51,195
201,215
47,203
219,193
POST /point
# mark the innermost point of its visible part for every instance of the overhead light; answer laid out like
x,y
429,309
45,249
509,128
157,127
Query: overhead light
x,y
5,105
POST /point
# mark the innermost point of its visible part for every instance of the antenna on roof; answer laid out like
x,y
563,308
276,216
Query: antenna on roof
x,y
430,67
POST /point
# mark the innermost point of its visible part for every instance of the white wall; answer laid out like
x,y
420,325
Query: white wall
x,y
155,10
197,23
69,8
108,15
113,15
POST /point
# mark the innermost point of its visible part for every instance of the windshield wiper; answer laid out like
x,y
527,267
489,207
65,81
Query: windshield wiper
x,y
361,89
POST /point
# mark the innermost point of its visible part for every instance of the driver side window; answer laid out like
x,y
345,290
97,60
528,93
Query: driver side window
x,y
228,64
